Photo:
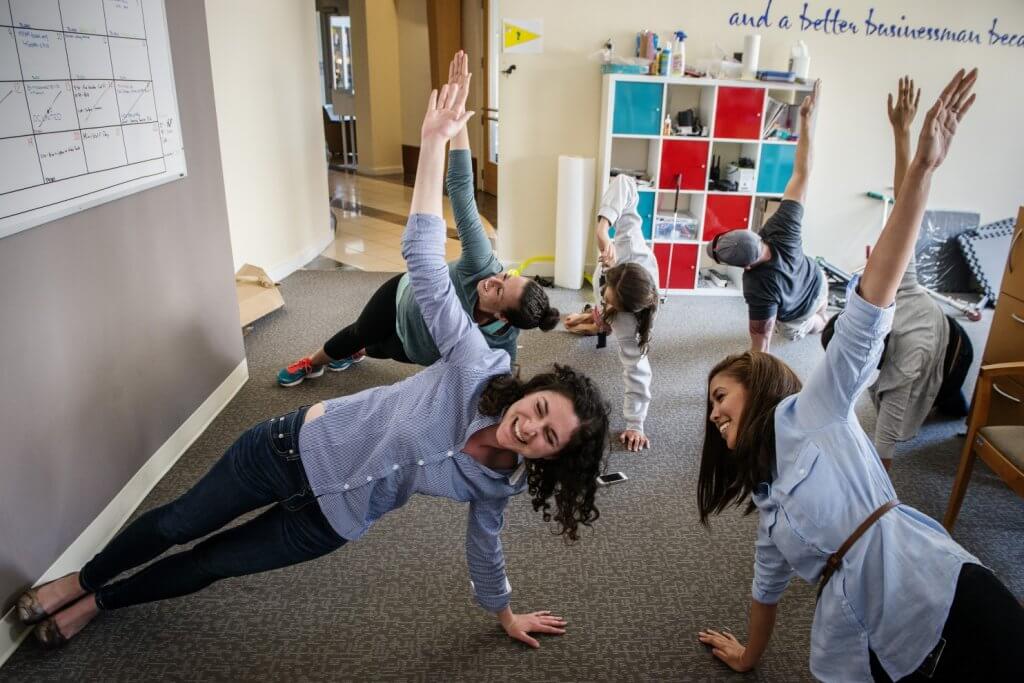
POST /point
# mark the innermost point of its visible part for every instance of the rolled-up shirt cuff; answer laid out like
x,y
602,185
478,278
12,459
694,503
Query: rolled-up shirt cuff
x,y
423,229
865,315
767,595
636,426
885,449
608,213
493,602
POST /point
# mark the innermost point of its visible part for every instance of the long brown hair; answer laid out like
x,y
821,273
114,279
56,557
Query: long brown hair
x,y
729,477
636,293
571,475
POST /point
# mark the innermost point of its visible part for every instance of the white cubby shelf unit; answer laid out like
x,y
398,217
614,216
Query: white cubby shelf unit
x,y
727,122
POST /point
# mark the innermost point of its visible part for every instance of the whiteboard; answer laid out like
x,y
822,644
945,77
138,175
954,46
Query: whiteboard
x,y
88,110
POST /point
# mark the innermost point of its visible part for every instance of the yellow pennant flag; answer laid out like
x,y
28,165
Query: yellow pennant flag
x,y
517,35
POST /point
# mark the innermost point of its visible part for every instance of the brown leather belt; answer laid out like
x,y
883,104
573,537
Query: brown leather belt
x,y
832,563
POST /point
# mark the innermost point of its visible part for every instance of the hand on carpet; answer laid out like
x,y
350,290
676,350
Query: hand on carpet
x,y
726,647
522,625
634,440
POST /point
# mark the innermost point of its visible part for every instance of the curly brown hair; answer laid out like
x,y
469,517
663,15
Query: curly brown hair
x,y
571,475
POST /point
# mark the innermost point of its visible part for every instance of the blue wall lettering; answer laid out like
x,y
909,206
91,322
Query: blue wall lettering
x,y
830,20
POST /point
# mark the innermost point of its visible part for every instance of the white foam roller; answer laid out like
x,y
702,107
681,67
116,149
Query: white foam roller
x,y
573,219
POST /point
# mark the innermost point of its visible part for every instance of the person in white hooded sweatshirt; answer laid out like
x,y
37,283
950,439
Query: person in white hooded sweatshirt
x,y
626,284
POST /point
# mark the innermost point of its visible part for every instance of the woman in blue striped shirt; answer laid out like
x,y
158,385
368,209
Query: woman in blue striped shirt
x,y
463,429
898,598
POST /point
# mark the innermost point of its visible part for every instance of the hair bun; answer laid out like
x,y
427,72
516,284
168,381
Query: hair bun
x,y
549,319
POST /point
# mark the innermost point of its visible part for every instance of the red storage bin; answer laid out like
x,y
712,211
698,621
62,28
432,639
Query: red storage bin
x,y
683,270
725,212
689,157
738,114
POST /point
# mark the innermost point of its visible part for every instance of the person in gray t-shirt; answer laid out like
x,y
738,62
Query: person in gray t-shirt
x,y
780,283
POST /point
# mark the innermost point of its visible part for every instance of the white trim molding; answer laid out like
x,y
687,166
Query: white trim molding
x,y
117,512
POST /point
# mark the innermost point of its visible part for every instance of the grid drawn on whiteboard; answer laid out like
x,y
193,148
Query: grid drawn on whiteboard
x,y
77,99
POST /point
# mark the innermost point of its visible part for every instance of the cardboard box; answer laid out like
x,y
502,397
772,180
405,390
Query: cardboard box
x,y
257,294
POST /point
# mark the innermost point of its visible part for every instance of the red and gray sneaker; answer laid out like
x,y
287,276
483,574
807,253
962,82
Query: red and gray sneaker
x,y
298,371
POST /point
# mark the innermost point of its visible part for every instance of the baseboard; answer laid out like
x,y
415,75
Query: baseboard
x,y
379,170
113,517
282,270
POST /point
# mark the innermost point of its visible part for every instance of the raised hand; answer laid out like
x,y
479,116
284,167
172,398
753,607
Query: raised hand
x,y
943,118
446,114
522,625
458,74
809,107
903,108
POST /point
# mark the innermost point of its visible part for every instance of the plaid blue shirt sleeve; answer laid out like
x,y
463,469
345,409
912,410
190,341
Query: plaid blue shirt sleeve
x,y
850,361
772,573
457,338
484,556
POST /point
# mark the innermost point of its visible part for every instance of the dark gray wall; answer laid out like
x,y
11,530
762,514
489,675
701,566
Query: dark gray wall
x,y
115,325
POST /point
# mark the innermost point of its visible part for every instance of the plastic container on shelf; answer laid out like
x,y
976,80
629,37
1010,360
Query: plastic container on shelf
x,y
675,226
800,60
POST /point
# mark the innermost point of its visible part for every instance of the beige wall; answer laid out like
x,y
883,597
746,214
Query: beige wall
x,y
414,66
264,58
375,62
473,43
550,106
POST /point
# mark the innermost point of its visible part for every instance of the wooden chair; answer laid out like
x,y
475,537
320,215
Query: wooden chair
x,y
1000,446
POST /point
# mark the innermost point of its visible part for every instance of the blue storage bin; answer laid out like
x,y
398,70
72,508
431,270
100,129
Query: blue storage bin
x,y
637,108
775,168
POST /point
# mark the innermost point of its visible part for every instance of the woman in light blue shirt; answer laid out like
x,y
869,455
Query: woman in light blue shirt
x,y
898,598
463,429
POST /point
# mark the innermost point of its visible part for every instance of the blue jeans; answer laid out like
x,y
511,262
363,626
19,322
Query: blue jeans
x,y
261,468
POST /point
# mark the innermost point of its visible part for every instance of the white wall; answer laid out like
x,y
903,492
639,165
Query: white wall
x,y
266,88
550,106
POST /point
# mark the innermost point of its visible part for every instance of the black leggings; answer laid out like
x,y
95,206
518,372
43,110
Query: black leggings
x,y
373,330
983,634
959,355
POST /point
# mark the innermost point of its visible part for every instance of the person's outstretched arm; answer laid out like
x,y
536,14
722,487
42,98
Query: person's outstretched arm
x,y
895,245
796,188
451,327
477,254
772,574
490,585
833,387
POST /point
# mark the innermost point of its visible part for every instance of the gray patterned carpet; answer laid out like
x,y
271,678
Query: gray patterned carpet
x,y
396,605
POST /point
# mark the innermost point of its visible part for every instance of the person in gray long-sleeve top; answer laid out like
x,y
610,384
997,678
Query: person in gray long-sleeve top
x,y
463,429
392,326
